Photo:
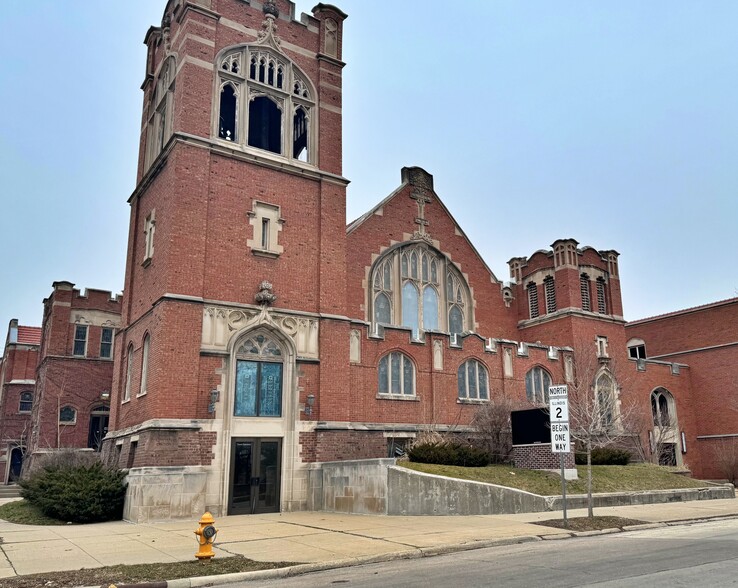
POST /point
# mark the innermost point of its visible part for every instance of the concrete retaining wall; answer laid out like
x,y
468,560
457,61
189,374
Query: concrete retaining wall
x,y
650,497
165,493
416,493
378,486
356,487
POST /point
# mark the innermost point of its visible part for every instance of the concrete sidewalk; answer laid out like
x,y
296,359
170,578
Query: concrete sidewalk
x,y
307,537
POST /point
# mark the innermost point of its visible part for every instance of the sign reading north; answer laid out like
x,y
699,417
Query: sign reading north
x,y
558,404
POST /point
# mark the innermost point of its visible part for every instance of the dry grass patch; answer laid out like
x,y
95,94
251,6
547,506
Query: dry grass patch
x,y
587,524
139,573
630,478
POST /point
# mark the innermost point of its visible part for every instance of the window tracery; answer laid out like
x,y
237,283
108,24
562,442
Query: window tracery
x,y
266,105
415,286
537,383
396,375
472,380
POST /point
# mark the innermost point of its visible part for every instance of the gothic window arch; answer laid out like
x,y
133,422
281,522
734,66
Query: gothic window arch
x,y
259,377
472,381
416,286
606,400
159,127
396,375
663,409
265,102
537,382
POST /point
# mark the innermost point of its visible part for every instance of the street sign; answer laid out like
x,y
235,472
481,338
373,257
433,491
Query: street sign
x,y
558,408
561,391
560,439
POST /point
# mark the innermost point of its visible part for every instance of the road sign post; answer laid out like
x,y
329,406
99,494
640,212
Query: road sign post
x,y
558,406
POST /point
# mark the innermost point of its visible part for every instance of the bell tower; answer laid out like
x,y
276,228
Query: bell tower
x,y
236,235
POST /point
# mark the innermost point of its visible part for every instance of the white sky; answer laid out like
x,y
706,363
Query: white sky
x,y
612,122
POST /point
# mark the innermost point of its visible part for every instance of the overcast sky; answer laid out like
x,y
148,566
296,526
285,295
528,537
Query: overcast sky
x,y
612,122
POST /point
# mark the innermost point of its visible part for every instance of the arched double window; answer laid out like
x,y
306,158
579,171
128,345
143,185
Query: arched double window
x,y
537,382
416,286
473,383
265,102
259,382
662,408
396,375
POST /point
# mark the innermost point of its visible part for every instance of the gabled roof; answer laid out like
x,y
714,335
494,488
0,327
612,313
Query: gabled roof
x,y
352,226
29,335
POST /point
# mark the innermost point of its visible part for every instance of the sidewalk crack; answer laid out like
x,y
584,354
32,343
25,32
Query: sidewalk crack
x,y
12,567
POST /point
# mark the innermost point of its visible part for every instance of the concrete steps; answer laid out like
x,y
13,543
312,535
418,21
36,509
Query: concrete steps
x,y
10,491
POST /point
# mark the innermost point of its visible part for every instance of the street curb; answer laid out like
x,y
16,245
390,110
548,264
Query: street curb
x,y
417,553
298,570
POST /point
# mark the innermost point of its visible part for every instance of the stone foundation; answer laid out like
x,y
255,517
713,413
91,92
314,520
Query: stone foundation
x,y
165,493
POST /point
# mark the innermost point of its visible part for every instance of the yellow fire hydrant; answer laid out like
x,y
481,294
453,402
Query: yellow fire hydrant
x,y
206,537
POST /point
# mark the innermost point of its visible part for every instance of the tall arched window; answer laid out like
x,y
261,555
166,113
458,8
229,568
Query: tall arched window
x,y
662,408
143,387
129,374
537,383
267,104
159,127
26,402
472,381
606,400
396,375
259,367
584,287
549,287
416,286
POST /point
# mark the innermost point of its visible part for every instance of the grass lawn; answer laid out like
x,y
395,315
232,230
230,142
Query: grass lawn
x,y
23,512
604,478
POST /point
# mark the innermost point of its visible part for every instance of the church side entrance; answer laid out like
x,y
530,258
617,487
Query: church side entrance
x,y
255,476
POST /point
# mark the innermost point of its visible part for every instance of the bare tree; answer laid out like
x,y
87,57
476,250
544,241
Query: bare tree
x,y
597,415
492,424
726,458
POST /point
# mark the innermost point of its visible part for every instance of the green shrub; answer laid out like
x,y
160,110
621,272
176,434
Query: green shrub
x,y
604,456
79,494
454,453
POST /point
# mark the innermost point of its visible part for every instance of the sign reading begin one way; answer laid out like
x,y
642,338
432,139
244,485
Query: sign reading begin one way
x,y
558,404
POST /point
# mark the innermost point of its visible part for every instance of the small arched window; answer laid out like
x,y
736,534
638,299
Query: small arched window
x,y
473,383
26,402
129,374
662,403
537,383
396,375
67,415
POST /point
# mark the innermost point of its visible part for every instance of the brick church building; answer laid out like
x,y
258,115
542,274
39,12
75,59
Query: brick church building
x,y
262,335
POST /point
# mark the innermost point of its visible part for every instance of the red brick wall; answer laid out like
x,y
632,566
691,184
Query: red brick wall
x,y
540,457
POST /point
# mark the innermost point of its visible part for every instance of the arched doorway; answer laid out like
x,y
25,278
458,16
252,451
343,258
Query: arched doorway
x,y
664,436
259,410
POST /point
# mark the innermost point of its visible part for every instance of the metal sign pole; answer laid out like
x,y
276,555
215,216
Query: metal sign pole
x,y
563,488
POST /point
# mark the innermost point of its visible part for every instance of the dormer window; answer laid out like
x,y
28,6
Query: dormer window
x,y
267,105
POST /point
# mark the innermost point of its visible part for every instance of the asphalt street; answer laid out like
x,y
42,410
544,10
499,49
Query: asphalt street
x,y
699,554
